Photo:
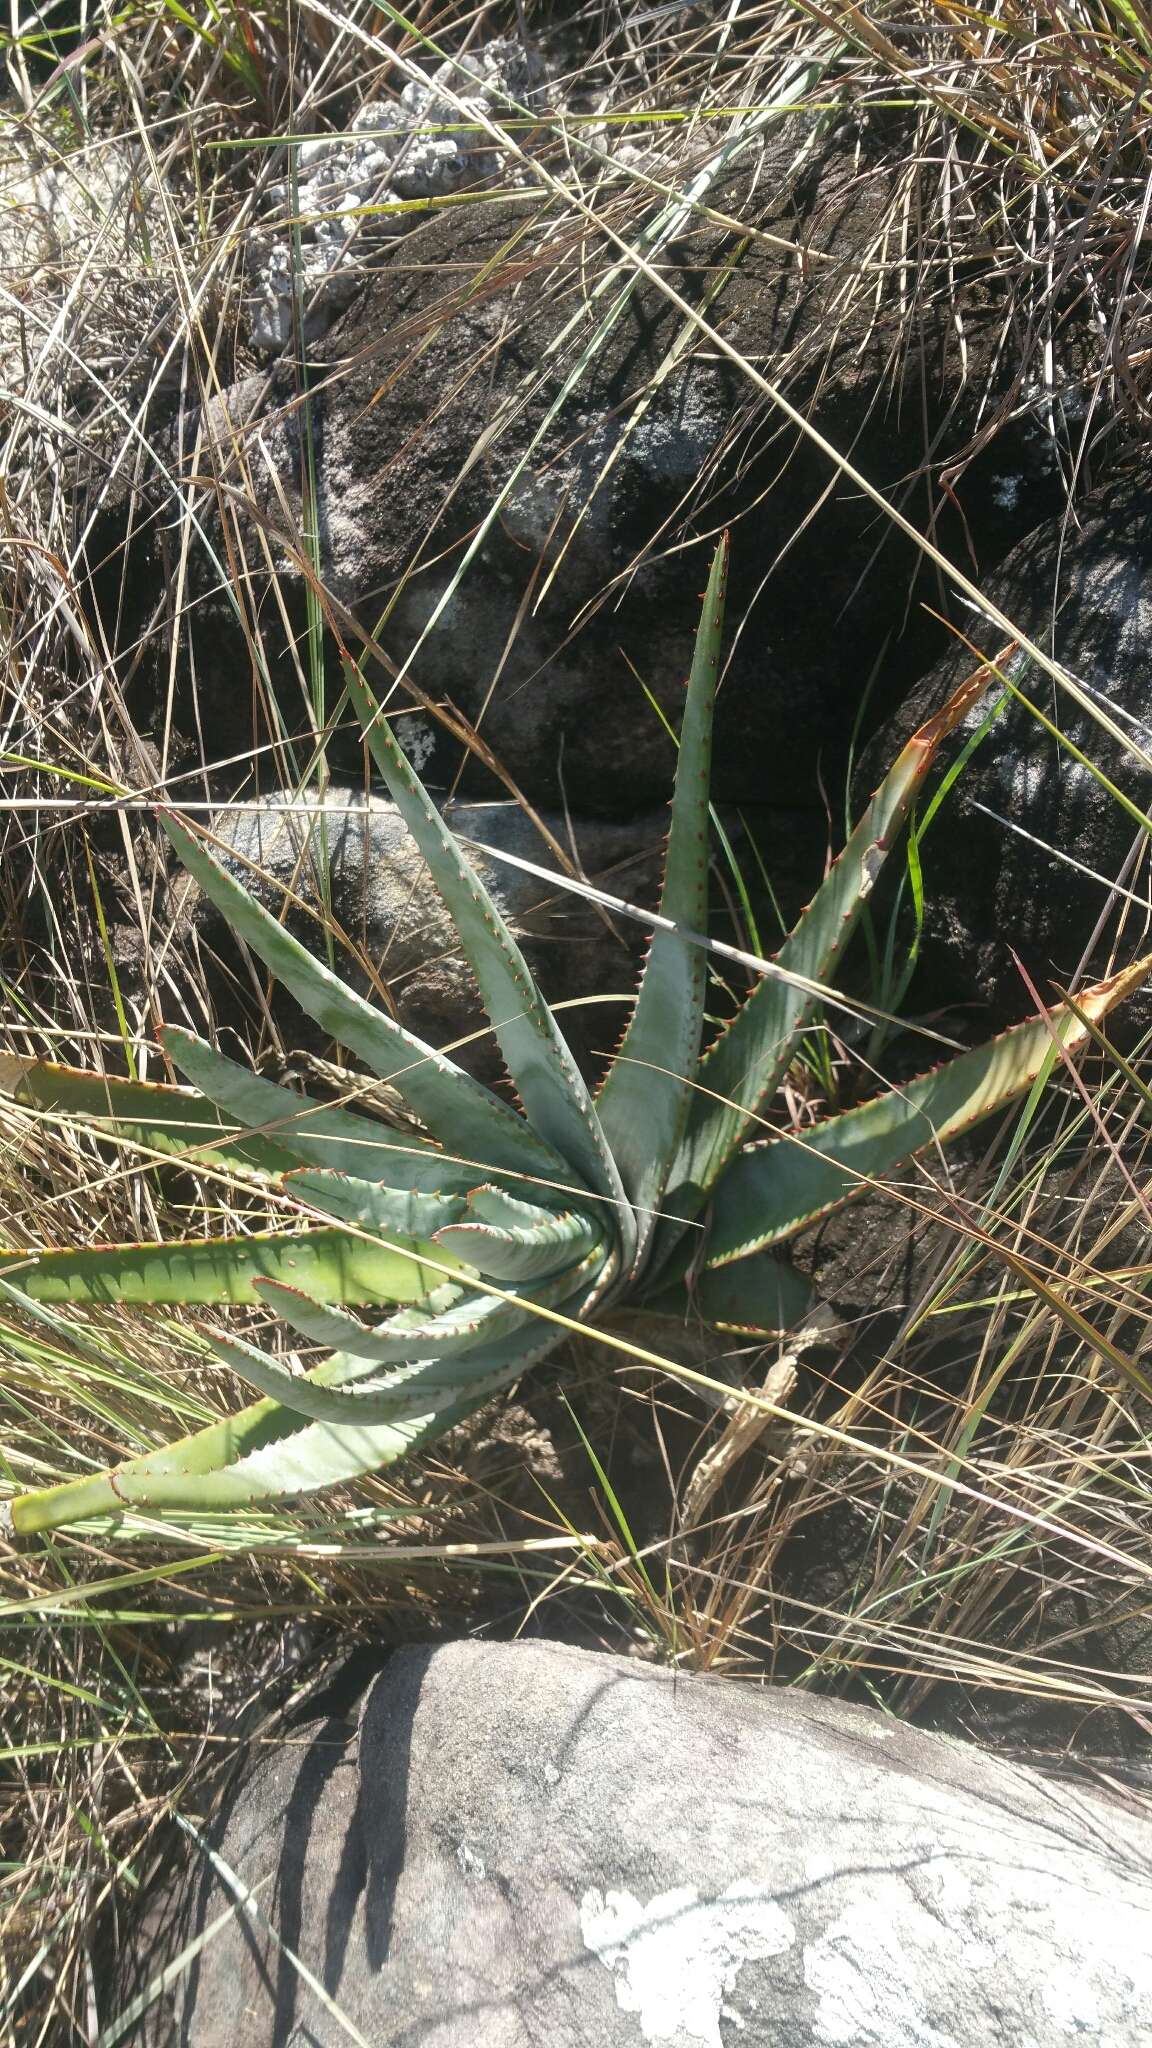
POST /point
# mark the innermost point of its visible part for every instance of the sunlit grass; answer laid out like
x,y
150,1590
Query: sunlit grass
x,y
990,1458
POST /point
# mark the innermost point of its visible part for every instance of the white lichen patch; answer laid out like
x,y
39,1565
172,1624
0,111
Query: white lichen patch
x,y
676,1961
867,1977
346,194
347,191
418,740
1041,1961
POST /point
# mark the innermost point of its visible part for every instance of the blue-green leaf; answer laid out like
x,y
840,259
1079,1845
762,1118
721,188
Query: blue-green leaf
x,y
518,1251
644,1103
333,1138
417,1391
773,1190
149,1113
546,1076
744,1068
449,1103
758,1296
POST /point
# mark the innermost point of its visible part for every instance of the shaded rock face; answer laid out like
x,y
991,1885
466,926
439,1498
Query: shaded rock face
x,y
1085,596
445,386
535,1847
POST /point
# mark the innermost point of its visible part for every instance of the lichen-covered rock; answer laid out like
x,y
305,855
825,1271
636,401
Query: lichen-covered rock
x,y
529,1846
482,364
343,185
453,381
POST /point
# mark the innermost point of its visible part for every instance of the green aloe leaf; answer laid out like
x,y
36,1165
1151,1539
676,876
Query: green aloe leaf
x,y
391,1212
305,1131
449,1103
447,1333
644,1103
773,1190
546,1077
489,1204
744,1068
258,1427
150,1113
329,1264
758,1296
518,1251
294,1459
451,1330
482,1371
500,1256
266,1453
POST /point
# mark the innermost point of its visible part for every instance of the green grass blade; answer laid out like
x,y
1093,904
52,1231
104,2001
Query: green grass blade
x,y
546,1077
644,1103
449,1103
773,1191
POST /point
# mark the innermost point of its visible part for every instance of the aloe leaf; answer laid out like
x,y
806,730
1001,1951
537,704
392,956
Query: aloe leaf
x,y
449,1103
546,1077
414,1333
302,1458
393,1212
329,1264
408,1394
520,1254
488,1204
512,1240
222,1443
760,1296
773,1190
300,1129
394,1342
744,1068
274,1455
644,1103
150,1113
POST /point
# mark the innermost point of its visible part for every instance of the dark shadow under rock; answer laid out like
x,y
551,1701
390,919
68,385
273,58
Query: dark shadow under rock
x,y
999,869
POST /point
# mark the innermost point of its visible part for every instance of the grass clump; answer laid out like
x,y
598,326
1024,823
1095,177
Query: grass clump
x,y
948,1520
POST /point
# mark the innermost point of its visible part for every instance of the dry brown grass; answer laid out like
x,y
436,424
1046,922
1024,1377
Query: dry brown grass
x,y
961,1522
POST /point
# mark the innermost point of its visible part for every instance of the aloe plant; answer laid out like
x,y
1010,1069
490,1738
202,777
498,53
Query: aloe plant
x,y
492,1235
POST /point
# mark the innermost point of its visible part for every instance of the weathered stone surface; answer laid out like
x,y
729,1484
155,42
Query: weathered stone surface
x,y
529,1846
444,383
1083,594
392,152
88,294
403,479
